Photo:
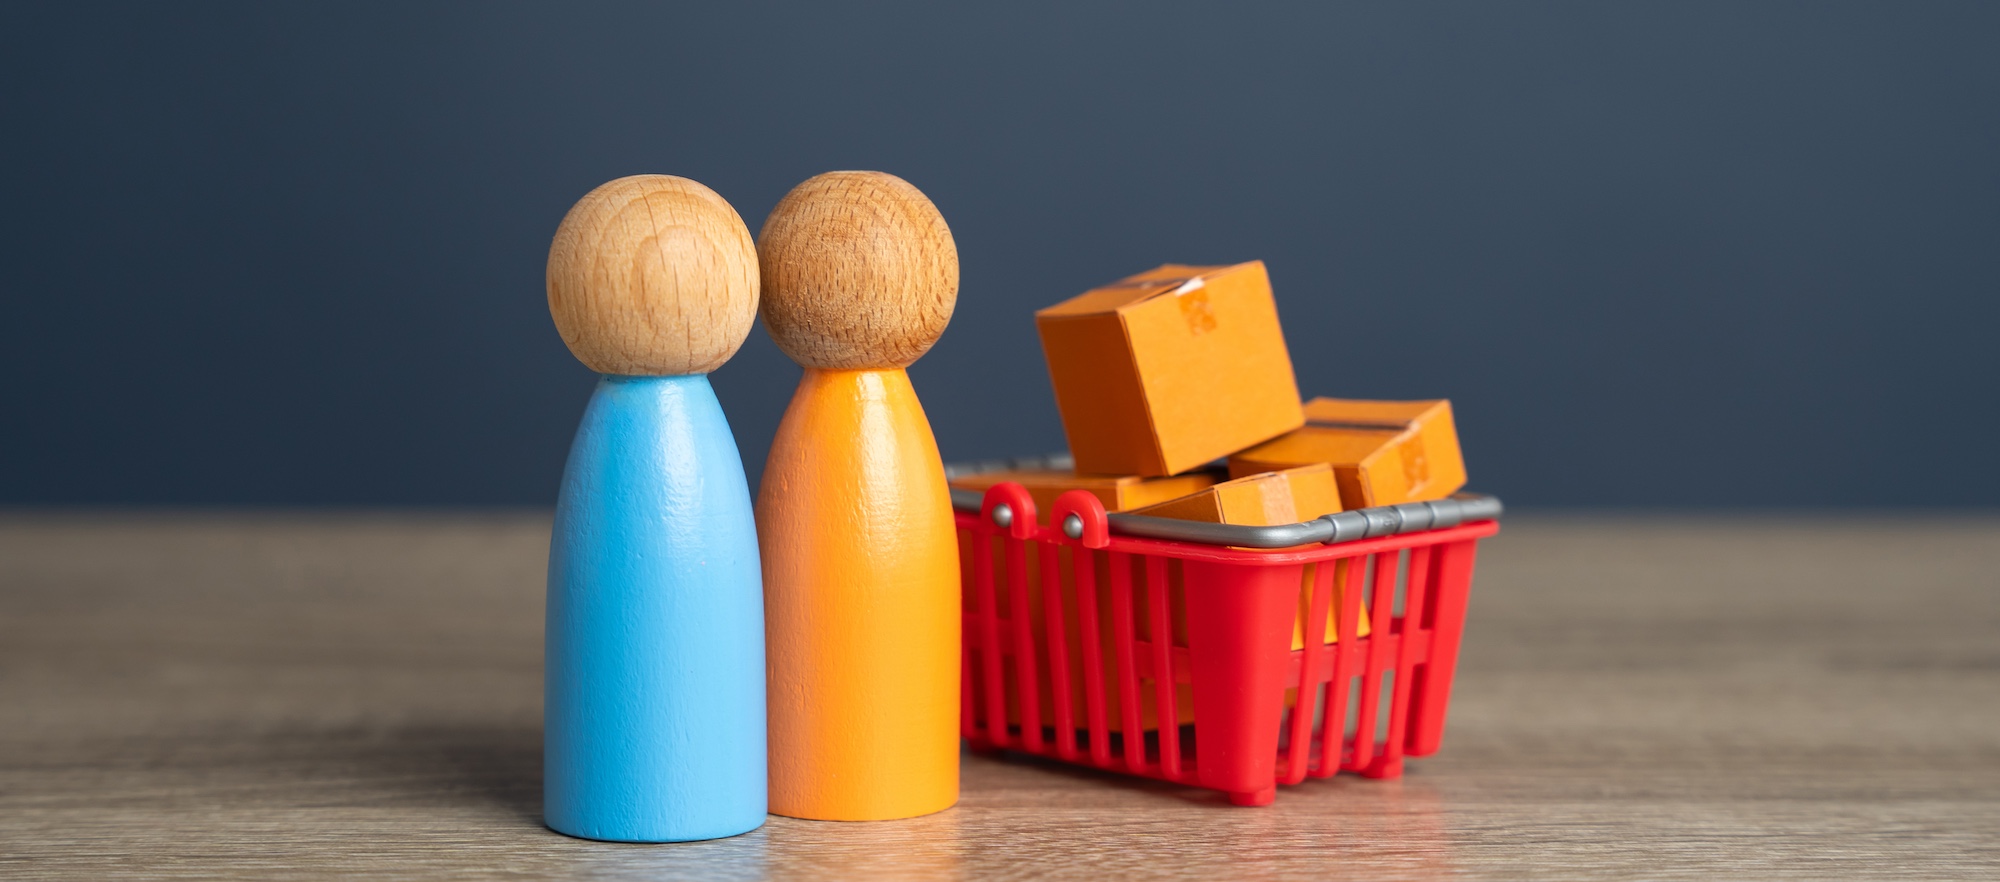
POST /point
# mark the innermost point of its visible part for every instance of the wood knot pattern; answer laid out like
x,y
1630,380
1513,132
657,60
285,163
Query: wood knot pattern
x,y
859,272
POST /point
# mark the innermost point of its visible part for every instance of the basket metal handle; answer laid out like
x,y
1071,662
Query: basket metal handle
x,y
1345,526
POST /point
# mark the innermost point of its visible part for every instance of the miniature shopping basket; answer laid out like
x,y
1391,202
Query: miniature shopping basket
x,y
1179,650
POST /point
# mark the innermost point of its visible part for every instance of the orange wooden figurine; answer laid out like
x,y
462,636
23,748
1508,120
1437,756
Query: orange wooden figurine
x,y
861,589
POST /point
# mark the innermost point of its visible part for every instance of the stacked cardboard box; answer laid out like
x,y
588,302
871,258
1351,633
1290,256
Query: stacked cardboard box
x,y
1382,452
1163,376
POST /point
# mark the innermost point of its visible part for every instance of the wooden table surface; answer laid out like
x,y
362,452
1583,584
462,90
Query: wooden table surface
x,y
298,695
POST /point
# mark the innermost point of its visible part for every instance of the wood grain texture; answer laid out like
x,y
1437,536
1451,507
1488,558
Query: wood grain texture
x,y
861,604
652,275
860,272
278,696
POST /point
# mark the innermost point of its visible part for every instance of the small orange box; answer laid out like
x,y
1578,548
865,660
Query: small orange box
x,y
1382,452
1270,499
1161,372
1261,500
1117,493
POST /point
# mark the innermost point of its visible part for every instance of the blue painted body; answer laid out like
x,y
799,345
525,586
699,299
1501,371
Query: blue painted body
x,y
654,714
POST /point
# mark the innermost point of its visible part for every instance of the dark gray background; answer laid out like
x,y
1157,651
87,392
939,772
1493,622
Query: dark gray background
x,y
1705,254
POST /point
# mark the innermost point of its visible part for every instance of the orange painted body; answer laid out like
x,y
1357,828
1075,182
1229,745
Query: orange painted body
x,y
861,598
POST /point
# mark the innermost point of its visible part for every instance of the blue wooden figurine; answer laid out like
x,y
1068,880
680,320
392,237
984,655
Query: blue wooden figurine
x,y
654,715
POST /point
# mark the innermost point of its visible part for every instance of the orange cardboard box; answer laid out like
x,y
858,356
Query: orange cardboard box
x,y
1163,371
1117,493
1269,499
1382,452
1261,500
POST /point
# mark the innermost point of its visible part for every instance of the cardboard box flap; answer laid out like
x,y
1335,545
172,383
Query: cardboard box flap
x,y
1359,446
1355,413
1166,279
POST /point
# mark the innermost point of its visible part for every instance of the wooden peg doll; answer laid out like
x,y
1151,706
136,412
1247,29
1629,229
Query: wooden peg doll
x,y
860,555
654,713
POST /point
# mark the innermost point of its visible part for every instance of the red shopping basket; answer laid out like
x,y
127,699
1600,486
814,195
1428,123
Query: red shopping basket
x,y
1167,647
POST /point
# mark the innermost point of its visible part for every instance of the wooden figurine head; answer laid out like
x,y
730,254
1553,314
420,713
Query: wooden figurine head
x,y
652,275
860,272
